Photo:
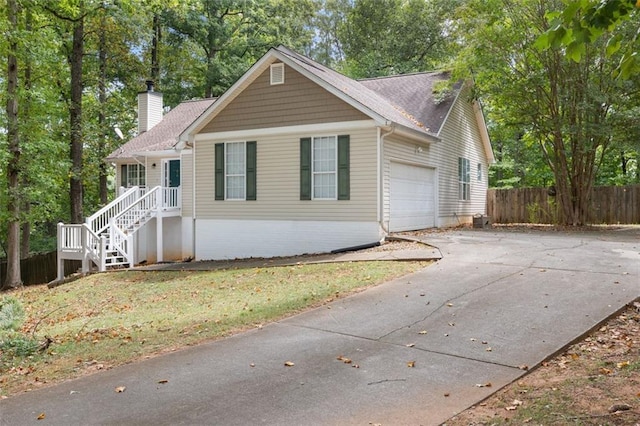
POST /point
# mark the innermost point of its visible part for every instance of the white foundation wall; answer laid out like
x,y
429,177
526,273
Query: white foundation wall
x,y
187,237
235,239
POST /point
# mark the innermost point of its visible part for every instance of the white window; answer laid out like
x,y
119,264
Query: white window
x,y
235,169
132,175
464,179
324,162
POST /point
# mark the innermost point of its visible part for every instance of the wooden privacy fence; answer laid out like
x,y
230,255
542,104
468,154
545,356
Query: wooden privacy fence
x,y
609,205
40,269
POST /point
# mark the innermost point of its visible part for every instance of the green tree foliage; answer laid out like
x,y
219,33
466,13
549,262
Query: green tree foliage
x,y
582,22
566,107
208,44
384,37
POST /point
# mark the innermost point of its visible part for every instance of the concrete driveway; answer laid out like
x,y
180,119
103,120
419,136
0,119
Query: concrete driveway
x,y
498,301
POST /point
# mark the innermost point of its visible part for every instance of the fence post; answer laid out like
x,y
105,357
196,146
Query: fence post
x,y
59,252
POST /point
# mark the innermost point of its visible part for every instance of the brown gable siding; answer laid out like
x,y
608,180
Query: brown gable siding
x,y
297,101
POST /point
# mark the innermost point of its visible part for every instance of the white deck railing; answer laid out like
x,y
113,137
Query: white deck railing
x,y
171,198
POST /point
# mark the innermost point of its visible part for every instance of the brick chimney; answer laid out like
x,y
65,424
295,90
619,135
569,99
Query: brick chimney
x,y
149,108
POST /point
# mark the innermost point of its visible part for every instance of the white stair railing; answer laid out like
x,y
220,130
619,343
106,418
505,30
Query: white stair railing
x,y
99,221
123,225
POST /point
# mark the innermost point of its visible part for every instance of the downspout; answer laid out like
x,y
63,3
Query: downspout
x,y
381,137
191,144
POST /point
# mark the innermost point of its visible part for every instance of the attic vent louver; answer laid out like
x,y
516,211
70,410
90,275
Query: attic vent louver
x,y
277,73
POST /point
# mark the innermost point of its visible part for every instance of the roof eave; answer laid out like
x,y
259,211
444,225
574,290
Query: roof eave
x,y
419,136
484,133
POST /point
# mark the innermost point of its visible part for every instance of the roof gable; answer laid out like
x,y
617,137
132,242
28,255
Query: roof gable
x,y
296,101
355,93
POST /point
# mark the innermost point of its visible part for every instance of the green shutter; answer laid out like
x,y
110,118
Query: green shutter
x,y
305,168
343,168
123,175
219,171
251,171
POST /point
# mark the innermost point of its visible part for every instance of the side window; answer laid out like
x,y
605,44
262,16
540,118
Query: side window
x,y
464,179
235,171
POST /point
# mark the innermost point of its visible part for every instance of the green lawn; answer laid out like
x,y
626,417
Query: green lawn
x,y
105,320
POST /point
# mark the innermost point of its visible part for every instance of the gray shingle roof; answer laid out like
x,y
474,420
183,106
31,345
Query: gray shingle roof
x,y
404,99
414,94
163,135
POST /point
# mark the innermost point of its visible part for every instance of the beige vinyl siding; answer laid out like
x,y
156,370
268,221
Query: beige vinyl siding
x,y
186,182
404,151
298,101
461,138
278,182
154,173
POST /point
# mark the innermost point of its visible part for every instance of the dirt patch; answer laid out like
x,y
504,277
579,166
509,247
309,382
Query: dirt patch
x,y
595,382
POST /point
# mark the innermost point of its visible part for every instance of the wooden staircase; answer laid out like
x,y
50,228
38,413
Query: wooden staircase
x,y
106,237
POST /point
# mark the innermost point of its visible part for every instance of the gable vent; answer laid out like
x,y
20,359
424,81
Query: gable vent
x,y
277,73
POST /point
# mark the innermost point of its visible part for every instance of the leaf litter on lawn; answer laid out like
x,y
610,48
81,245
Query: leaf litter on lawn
x,y
594,382
113,318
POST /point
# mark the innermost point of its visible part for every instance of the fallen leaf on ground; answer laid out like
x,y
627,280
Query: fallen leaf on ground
x,y
623,364
619,407
40,416
411,364
524,367
422,332
483,385
163,381
120,389
288,364
410,345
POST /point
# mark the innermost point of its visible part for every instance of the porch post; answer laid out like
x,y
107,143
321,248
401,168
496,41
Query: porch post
x,y
159,233
59,254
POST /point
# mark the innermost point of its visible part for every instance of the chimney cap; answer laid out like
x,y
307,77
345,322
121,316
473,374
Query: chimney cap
x,y
149,84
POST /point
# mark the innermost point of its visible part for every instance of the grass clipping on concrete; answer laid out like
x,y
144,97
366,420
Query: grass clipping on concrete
x,y
105,320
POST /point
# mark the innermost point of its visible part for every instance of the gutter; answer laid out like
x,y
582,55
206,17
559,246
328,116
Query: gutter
x,y
389,130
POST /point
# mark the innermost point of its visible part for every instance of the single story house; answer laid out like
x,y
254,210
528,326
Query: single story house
x,y
294,158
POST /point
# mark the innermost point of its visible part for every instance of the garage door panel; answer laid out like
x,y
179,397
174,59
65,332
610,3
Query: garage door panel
x,y
412,197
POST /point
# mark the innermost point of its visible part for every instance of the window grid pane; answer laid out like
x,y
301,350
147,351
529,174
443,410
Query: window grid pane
x,y
464,179
235,171
324,166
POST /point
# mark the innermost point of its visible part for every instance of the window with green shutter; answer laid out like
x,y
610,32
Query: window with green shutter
x,y
325,168
235,171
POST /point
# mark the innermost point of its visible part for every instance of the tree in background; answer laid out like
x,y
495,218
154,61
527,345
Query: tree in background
x,y
13,279
563,105
385,37
208,44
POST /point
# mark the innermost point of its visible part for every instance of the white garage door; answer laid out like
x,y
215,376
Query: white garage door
x,y
412,197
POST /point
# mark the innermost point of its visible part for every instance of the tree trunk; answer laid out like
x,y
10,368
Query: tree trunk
x,y
13,279
102,121
75,110
155,56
